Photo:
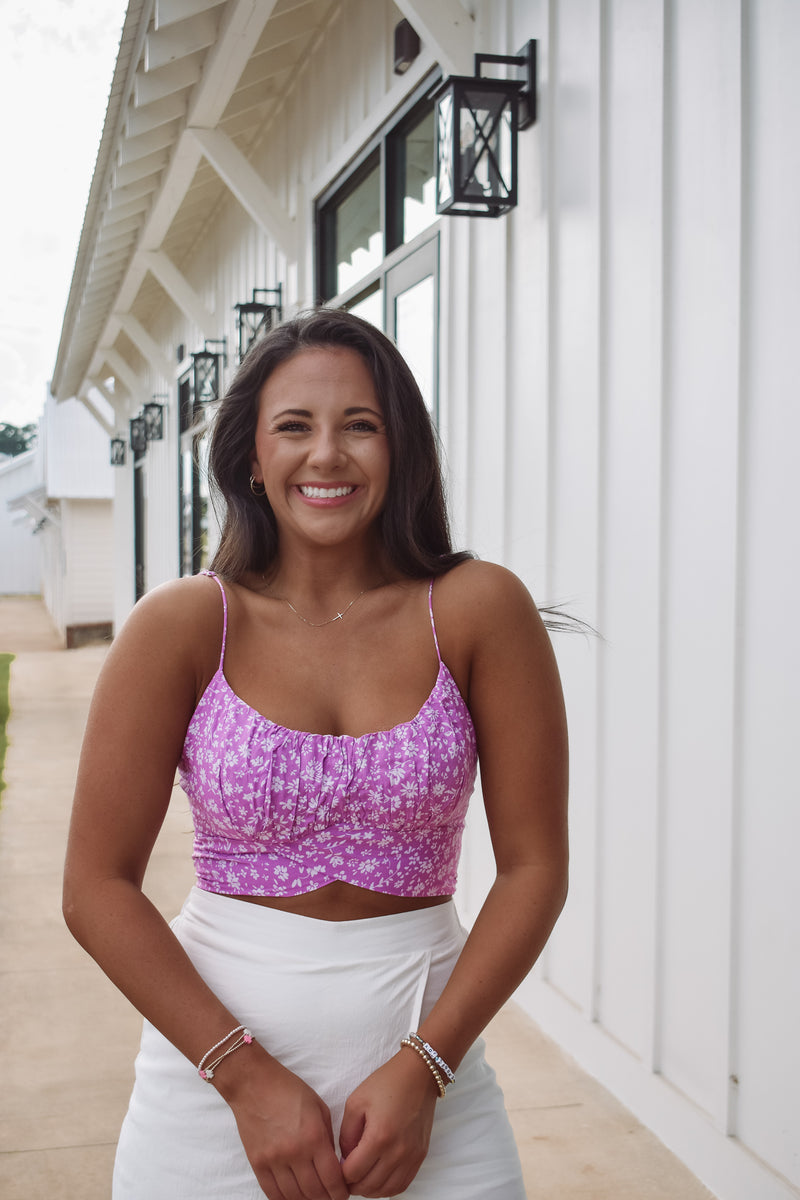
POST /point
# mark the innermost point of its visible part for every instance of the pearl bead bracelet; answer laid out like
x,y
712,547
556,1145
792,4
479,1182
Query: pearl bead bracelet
x,y
206,1069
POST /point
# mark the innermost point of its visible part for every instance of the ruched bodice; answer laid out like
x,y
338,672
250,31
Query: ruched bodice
x,y
280,812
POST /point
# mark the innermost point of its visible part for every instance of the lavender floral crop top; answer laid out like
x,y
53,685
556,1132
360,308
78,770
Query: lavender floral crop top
x,y
279,812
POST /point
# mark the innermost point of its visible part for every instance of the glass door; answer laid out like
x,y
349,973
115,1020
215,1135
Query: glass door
x,y
412,317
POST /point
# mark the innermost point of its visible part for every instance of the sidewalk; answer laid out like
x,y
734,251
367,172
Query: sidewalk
x,y
68,1039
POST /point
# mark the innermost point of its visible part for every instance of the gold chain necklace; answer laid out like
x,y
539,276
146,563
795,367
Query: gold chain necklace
x,y
339,616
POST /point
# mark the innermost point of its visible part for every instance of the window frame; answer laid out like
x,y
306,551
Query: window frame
x,y
387,141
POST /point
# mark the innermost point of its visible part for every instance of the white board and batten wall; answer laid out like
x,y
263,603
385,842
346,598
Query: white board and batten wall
x,y
19,554
77,548
618,422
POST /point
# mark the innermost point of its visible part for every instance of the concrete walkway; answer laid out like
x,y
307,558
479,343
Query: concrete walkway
x,y
68,1039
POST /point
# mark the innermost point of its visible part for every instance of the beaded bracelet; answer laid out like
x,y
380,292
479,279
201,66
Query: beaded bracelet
x,y
207,1072
441,1064
406,1041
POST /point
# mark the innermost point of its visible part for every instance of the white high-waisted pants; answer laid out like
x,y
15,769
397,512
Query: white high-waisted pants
x,y
331,1001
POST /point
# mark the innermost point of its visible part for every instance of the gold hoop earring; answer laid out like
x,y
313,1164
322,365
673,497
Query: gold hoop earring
x,y
255,483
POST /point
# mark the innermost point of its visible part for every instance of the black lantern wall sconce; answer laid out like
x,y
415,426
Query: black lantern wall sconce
x,y
476,123
207,373
256,317
138,432
118,450
154,419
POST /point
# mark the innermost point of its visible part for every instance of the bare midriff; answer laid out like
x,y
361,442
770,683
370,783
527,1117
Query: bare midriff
x,y
345,902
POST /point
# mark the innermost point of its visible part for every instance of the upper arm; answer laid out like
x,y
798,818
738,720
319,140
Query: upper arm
x,y
144,699
517,707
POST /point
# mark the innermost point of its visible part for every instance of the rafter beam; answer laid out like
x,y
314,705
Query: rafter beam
x,y
151,116
94,412
213,80
254,195
169,12
124,372
447,29
184,73
145,344
179,290
141,145
241,27
164,46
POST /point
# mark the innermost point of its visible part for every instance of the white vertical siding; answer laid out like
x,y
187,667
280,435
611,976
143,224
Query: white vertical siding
x,y
20,565
629,602
766,977
619,419
87,530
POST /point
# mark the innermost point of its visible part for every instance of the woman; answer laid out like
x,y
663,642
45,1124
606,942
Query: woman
x,y
324,694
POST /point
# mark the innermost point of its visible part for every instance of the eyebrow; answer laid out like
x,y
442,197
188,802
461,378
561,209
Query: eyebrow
x,y
304,412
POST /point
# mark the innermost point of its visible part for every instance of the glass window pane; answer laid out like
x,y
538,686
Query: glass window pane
x,y
359,237
370,307
419,184
486,138
414,334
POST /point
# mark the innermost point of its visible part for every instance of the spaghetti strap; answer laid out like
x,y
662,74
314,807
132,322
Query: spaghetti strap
x,y
212,575
433,623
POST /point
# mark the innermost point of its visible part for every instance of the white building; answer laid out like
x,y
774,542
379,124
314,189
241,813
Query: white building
x,y
61,516
611,367
19,557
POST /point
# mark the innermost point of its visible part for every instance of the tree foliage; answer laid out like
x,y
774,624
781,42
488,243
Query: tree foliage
x,y
16,439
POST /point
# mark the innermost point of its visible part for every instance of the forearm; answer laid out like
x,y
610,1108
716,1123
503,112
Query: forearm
x,y
508,936
133,944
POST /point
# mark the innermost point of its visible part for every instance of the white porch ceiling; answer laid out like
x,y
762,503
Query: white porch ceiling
x,y
196,84
196,81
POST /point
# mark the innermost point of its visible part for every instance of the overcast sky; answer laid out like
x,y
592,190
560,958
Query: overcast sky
x,y
57,59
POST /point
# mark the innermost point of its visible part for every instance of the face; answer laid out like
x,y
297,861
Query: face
x,y
320,447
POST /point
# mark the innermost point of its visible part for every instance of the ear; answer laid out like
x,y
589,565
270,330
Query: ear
x,y
255,468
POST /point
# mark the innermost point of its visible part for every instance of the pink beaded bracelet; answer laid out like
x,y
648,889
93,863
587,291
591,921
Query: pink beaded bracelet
x,y
206,1069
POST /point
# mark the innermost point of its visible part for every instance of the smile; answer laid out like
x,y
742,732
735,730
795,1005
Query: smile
x,y
325,493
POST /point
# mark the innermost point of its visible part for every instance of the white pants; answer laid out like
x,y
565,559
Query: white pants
x,y
330,1000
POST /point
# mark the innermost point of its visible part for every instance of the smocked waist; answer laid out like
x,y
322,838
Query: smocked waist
x,y
389,861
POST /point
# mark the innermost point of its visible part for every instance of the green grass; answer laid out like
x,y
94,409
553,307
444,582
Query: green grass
x,y
5,668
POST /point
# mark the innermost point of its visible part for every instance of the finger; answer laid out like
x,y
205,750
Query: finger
x,y
359,1163
313,1187
352,1130
288,1185
330,1173
269,1186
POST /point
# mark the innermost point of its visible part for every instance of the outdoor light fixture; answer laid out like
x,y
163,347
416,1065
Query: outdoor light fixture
x,y
256,317
154,419
406,46
138,429
207,371
476,124
118,449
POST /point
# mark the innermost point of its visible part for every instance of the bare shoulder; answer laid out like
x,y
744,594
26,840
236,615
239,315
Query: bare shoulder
x,y
477,596
179,622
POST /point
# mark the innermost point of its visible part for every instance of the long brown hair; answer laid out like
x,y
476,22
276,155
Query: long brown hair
x,y
414,526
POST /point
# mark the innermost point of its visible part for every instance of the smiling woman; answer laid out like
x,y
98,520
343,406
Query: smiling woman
x,y
326,694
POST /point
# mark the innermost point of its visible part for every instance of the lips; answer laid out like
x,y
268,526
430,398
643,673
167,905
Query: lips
x,y
325,493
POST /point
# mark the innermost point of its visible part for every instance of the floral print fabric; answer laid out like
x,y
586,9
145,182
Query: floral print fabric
x,y
280,812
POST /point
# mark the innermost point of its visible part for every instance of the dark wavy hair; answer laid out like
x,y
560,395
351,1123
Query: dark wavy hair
x,y
414,525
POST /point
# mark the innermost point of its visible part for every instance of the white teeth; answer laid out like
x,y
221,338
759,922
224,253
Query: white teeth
x,y
318,493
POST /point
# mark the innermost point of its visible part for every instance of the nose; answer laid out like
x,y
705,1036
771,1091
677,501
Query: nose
x,y
326,451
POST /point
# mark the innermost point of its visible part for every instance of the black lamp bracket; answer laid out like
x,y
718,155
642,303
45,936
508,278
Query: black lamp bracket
x,y
217,342
277,291
527,96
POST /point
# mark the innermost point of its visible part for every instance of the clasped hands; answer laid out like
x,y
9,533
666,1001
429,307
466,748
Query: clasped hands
x,y
287,1133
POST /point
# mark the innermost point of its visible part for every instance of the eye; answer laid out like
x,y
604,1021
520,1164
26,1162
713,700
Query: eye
x,y
363,426
292,427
